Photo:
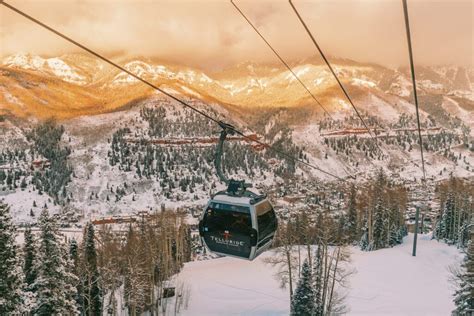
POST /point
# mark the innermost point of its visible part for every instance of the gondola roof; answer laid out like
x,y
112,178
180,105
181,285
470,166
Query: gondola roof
x,y
247,198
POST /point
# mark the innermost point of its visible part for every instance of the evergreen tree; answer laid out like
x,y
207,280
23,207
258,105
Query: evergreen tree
x,y
75,269
10,268
447,219
464,296
394,236
364,240
352,214
92,304
54,283
318,282
302,302
379,238
29,252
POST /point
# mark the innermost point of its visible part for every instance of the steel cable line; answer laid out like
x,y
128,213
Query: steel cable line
x,y
282,153
280,58
412,68
344,90
293,73
287,66
336,77
332,71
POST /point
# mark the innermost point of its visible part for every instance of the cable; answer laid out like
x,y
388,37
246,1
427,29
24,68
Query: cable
x,y
292,72
344,90
107,61
332,71
161,90
412,67
280,58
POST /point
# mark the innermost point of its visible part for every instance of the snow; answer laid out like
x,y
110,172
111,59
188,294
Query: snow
x,y
21,203
191,92
453,108
142,70
10,98
463,94
381,108
24,61
298,71
428,84
318,81
363,83
401,87
386,282
227,286
392,281
55,65
231,199
170,90
205,78
309,137
64,71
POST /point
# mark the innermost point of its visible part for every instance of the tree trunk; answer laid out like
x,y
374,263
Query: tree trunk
x,y
288,259
331,293
299,261
310,262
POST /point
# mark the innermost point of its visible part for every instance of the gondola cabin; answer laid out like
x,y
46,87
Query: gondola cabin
x,y
238,226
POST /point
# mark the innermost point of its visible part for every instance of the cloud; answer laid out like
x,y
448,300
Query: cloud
x,y
211,34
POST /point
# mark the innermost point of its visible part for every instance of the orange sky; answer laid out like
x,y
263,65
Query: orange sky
x,y
211,34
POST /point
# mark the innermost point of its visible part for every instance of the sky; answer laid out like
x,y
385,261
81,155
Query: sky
x,y
210,34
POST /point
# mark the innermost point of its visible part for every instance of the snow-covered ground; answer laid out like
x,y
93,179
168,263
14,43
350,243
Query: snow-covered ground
x,y
386,282
393,282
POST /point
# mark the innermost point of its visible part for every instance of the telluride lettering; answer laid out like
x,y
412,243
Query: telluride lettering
x,y
228,242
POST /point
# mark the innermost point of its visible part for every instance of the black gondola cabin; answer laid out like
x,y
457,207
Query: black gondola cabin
x,y
238,226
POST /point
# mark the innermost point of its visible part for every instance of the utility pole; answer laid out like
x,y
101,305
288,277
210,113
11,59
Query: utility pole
x,y
422,223
417,214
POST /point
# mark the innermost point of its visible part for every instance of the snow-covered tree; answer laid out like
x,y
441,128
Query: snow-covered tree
x,y
29,252
11,277
393,235
302,302
379,238
75,269
364,240
352,214
464,296
54,285
456,210
318,282
92,296
446,231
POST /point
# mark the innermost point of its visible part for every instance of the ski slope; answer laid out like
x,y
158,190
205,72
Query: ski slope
x,y
386,282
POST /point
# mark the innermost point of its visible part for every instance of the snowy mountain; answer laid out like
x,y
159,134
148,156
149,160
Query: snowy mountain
x,y
105,114
244,85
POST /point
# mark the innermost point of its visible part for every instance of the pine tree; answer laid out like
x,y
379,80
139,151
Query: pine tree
x,y
75,269
364,240
92,304
394,238
447,219
352,214
10,269
318,282
54,283
29,252
464,296
379,238
302,302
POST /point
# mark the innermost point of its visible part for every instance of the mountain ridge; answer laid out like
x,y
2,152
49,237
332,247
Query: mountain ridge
x,y
95,87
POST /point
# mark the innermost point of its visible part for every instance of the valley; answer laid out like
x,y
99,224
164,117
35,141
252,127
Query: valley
x,y
95,147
